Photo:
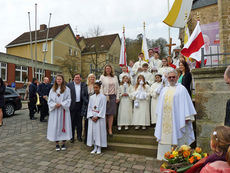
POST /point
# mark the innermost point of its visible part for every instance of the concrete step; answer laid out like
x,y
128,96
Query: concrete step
x,y
147,150
148,131
133,139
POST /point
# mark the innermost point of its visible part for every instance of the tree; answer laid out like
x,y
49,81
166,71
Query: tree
x,y
70,64
95,31
161,43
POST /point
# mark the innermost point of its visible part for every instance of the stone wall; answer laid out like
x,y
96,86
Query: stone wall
x,y
224,20
211,96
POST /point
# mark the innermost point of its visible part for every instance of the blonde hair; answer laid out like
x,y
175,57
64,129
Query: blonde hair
x,y
138,83
112,72
221,141
63,86
90,75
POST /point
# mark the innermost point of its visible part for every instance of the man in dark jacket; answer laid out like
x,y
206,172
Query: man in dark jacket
x,y
43,91
32,98
227,80
79,103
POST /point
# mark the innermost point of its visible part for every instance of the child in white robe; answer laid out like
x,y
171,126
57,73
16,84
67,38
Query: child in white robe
x,y
125,110
59,124
141,96
124,73
155,96
97,135
149,77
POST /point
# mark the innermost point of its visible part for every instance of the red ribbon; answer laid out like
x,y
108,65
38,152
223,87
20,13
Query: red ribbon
x,y
63,129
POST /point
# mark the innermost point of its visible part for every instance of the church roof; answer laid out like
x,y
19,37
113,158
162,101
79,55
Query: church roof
x,y
99,44
202,3
41,35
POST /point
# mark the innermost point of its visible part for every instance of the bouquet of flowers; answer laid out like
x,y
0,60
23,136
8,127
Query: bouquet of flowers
x,y
181,159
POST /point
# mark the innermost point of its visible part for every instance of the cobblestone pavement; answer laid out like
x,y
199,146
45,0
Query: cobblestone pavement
x,y
24,148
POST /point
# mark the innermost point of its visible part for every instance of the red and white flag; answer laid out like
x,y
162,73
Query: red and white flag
x,y
123,59
193,47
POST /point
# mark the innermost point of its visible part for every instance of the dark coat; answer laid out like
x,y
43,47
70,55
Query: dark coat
x,y
32,92
186,82
44,89
2,93
84,98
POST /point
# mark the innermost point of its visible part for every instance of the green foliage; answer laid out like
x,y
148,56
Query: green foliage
x,y
133,46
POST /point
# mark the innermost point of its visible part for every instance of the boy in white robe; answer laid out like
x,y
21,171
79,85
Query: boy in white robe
x,y
155,95
124,73
97,135
149,77
59,124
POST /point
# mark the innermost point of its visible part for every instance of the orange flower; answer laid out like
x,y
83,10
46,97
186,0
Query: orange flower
x,y
191,160
171,156
198,150
198,157
167,155
186,154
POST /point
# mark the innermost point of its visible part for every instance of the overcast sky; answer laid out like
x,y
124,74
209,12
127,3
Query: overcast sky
x,y
110,15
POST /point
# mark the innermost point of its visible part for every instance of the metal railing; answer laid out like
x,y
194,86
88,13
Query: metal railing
x,y
214,58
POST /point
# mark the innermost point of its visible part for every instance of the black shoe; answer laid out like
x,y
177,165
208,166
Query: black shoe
x,y
63,147
72,140
43,120
79,139
58,148
33,118
1,124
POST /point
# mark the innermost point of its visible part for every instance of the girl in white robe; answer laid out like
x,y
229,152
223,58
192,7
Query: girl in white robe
x,y
125,110
59,124
97,134
155,95
141,111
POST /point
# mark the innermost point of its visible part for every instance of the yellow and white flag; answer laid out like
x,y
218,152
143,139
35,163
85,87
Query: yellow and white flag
x,y
144,48
177,13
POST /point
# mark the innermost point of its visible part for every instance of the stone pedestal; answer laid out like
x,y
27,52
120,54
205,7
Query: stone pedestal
x,y
211,95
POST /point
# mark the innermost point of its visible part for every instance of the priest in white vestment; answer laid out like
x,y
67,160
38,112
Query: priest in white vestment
x,y
97,134
175,113
59,123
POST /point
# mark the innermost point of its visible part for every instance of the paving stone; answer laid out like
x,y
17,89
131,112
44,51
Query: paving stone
x,y
24,143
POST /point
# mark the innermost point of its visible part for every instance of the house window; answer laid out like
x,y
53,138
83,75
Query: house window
x,y
75,53
3,71
21,73
39,75
53,75
70,51
44,47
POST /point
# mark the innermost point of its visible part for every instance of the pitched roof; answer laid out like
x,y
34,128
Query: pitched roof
x,y
100,43
202,3
41,35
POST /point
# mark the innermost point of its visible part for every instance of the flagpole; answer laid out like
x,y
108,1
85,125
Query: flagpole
x,y
168,26
31,47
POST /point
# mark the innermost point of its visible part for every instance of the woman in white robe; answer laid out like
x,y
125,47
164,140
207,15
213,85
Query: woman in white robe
x,y
141,96
97,134
125,110
59,124
154,99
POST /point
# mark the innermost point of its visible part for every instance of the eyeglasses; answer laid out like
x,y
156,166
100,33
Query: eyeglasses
x,y
171,77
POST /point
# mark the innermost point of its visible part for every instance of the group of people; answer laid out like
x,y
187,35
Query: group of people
x,y
157,92
137,91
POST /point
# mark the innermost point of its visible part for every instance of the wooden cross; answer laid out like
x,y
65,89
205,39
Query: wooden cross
x,y
170,46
